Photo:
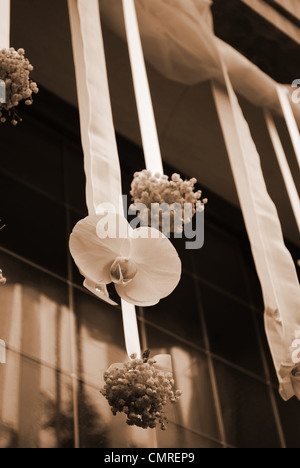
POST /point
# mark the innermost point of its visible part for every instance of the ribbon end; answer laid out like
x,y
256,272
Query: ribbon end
x,y
2,352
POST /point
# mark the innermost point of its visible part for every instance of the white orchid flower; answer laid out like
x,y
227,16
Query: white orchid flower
x,y
142,263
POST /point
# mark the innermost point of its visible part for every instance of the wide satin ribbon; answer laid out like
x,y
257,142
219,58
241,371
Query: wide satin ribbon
x,y
4,44
274,264
284,167
101,162
151,147
150,140
4,24
103,178
2,352
142,91
290,120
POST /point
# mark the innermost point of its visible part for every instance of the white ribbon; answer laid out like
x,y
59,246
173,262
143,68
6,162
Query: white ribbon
x,y
273,261
2,352
101,162
103,178
142,91
152,153
284,167
131,332
4,24
290,120
4,44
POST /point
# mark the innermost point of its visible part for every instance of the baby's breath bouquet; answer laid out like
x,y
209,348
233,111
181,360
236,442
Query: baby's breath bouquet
x,y
141,391
15,76
155,197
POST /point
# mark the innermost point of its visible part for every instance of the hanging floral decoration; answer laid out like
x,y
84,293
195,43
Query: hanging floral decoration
x,y
141,391
15,75
142,263
164,197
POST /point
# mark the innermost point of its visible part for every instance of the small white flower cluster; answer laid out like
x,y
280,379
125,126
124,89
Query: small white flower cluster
x,y
155,197
2,279
15,73
138,389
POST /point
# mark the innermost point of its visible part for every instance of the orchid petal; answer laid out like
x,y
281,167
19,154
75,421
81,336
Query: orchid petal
x,y
159,268
100,290
139,292
94,255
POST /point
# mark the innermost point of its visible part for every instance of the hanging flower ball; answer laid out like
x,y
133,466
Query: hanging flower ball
x,y
155,197
141,391
16,83
142,263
